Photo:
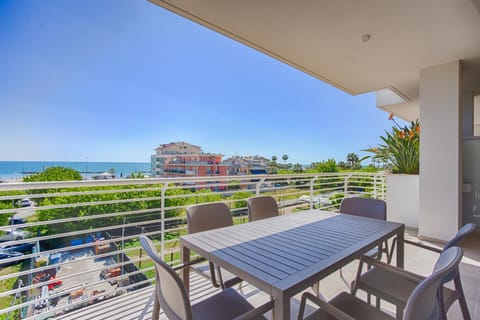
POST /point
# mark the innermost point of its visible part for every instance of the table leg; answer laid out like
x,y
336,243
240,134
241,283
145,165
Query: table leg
x,y
185,254
281,308
400,248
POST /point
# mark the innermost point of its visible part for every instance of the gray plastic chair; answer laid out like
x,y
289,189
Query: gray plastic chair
x,y
395,285
421,304
369,208
171,296
262,207
209,216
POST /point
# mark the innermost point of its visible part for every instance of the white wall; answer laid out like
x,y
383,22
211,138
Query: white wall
x,y
440,160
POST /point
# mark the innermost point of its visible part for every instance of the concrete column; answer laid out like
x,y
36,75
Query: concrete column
x,y
440,150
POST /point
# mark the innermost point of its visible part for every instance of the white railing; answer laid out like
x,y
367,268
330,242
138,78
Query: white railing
x,y
83,229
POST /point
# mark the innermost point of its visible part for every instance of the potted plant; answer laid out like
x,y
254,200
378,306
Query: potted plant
x,y
400,151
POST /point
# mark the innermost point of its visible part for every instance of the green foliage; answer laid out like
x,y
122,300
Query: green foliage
x,y
234,185
240,196
136,175
336,199
54,174
329,165
400,148
297,168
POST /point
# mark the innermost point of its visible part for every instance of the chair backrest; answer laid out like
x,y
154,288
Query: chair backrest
x,y
262,207
169,288
457,240
208,216
423,302
364,207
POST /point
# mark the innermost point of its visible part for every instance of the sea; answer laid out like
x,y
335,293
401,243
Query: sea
x,y
16,170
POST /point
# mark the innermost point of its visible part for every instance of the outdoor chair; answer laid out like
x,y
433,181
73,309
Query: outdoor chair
x,y
422,303
369,208
262,207
209,216
395,285
170,294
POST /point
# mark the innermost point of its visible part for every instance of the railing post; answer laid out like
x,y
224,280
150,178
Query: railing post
x,y
345,184
384,178
258,186
162,218
375,186
312,181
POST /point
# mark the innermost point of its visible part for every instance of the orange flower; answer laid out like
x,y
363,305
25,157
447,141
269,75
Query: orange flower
x,y
401,134
417,129
390,116
411,134
375,149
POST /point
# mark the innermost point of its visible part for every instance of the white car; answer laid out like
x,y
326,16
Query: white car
x,y
324,201
26,202
14,234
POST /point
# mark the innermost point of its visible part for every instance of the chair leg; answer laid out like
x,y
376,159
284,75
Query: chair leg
x,y
156,307
441,300
461,298
301,309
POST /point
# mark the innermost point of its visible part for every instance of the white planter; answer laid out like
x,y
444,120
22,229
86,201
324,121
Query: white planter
x,y
403,200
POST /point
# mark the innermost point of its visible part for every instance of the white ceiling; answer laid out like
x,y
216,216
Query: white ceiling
x,y
323,37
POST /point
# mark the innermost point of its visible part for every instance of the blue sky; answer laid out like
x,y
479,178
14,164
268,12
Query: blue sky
x,y
111,81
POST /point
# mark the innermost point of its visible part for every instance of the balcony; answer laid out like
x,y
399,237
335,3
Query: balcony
x,y
86,261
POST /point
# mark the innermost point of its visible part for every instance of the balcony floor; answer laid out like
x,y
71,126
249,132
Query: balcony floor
x,y
138,305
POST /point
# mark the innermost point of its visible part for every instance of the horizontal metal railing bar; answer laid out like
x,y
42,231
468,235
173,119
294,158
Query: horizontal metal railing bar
x,y
106,241
39,269
76,193
97,183
44,283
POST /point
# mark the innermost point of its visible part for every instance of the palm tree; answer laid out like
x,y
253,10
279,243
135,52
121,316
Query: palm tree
x,y
274,158
285,158
353,160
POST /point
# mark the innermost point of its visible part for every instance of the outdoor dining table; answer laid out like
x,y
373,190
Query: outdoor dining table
x,y
286,254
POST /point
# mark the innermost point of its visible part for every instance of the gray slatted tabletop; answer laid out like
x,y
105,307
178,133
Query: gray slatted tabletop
x,y
285,255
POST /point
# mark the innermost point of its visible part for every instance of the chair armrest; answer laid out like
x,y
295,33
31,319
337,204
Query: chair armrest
x,y
395,270
257,312
325,306
423,246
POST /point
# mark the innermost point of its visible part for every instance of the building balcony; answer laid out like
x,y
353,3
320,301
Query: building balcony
x,y
86,262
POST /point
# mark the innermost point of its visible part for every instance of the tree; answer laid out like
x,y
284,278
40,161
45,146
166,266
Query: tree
x,y
285,158
55,174
297,168
136,175
274,158
329,165
342,165
353,160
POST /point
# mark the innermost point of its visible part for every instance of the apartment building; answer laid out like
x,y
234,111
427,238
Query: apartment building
x,y
182,159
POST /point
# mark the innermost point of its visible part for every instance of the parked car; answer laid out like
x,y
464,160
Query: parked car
x,y
14,220
5,254
26,202
22,247
14,234
323,201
